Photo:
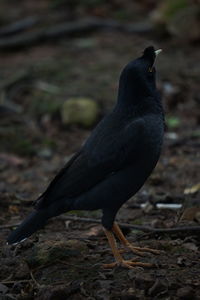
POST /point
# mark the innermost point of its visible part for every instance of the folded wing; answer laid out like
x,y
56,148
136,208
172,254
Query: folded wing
x,y
99,158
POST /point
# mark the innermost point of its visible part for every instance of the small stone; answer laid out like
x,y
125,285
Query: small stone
x,y
45,153
51,251
156,223
131,273
197,217
158,287
129,294
171,136
185,293
22,271
3,289
80,111
180,261
60,292
76,244
143,281
169,89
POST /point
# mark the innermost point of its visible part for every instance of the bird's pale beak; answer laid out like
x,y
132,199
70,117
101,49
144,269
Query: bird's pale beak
x,y
158,52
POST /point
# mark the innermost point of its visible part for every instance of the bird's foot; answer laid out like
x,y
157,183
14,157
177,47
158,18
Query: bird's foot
x,y
141,251
128,264
119,261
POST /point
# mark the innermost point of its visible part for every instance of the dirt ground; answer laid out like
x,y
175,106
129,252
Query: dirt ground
x,y
65,259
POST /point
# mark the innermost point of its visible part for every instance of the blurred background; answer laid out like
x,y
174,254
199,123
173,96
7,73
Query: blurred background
x,y
60,62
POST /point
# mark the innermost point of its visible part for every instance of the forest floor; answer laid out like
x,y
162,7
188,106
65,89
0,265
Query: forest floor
x,y
64,260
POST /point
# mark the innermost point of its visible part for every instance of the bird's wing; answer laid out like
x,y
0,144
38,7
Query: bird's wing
x,y
115,151
94,163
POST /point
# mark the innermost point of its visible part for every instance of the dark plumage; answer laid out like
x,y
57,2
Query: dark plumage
x,y
116,159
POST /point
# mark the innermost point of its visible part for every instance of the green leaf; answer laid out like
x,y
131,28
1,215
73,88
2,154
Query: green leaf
x,y
173,122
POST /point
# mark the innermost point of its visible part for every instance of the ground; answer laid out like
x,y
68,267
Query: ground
x,y
65,259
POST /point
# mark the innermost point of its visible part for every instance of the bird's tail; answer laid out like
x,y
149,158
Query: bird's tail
x,y
36,220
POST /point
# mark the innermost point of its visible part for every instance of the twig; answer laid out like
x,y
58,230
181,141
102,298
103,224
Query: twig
x,y
7,279
34,280
186,229
13,281
68,29
8,226
23,280
8,87
182,229
18,77
73,265
18,26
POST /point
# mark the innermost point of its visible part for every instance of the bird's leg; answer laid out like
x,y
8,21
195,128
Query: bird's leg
x,y
137,250
119,261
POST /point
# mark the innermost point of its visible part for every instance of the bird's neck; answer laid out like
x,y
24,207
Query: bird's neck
x,y
133,98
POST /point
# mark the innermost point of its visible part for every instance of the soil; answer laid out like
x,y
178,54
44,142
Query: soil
x,y
65,259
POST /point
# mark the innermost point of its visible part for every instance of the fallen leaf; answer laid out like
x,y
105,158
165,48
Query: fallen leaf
x,y
12,159
13,209
190,214
190,246
173,122
13,178
194,189
94,231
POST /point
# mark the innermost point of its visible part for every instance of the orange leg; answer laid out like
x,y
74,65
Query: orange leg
x,y
136,250
119,261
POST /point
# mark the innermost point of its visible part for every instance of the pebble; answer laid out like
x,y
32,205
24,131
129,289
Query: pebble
x,y
185,293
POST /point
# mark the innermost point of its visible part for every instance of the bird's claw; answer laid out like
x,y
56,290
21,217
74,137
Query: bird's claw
x,y
142,251
129,264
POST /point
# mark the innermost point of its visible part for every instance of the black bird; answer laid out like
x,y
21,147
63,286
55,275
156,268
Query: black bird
x,y
114,162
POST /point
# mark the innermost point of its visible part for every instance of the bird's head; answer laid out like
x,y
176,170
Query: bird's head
x,y
138,77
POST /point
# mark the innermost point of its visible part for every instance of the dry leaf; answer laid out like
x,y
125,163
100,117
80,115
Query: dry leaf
x,y
190,246
194,189
13,209
13,160
190,214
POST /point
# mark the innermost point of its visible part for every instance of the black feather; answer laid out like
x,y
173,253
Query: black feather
x,y
116,159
